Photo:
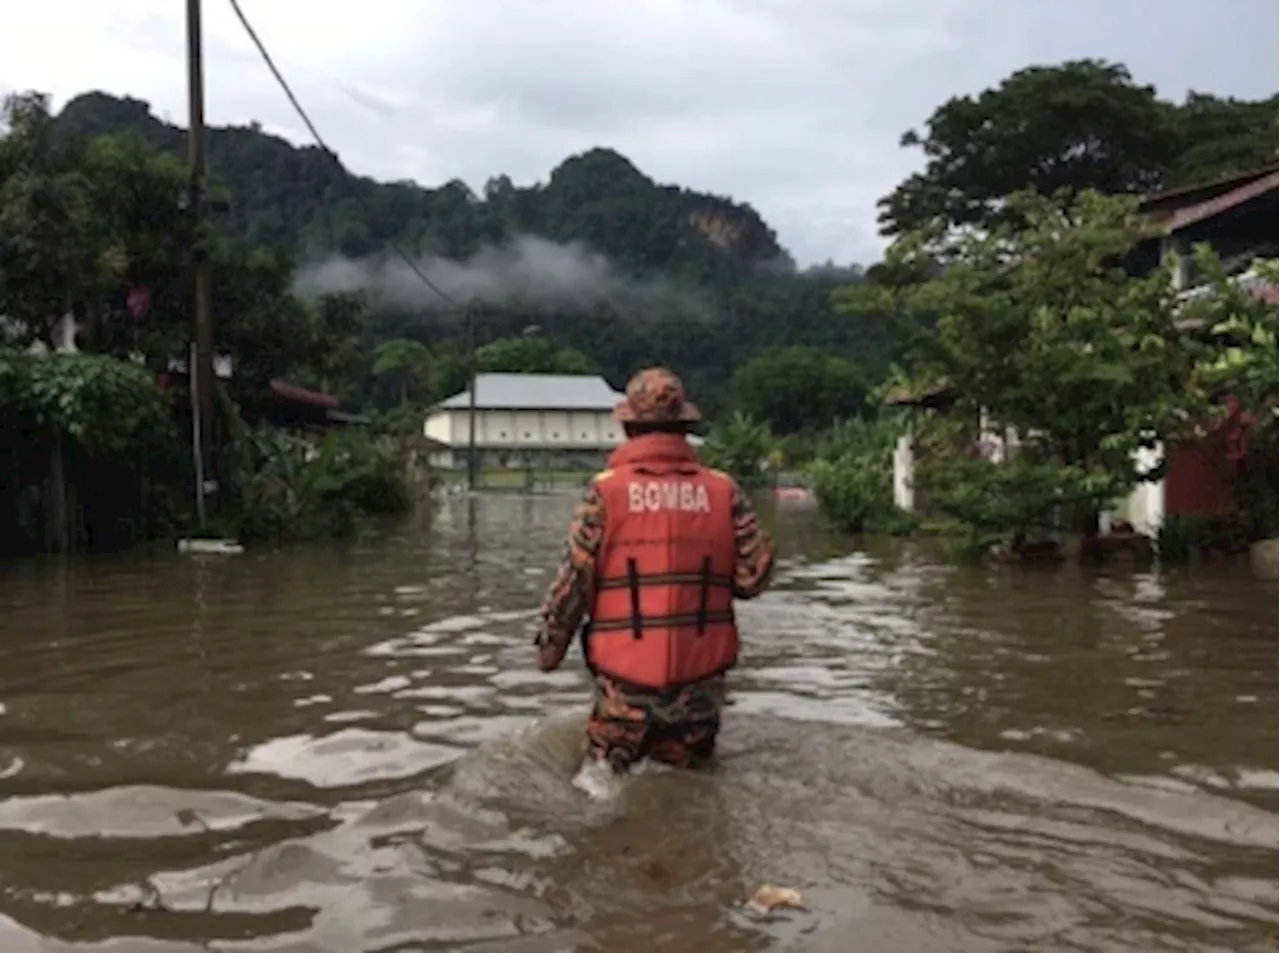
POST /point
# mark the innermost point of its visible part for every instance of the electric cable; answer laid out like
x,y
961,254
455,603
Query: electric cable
x,y
315,134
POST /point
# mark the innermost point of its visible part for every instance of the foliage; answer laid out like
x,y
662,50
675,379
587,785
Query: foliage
x,y
1219,136
853,476
90,216
1184,539
698,283
703,285
291,490
1043,327
108,407
1081,125
798,388
1177,539
1025,493
400,423
88,428
93,229
85,223
1242,327
1240,363
740,447
50,251
408,363
351,471
1256,490
532,353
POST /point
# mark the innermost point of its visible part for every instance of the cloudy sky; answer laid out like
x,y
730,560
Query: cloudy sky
x,y
793,105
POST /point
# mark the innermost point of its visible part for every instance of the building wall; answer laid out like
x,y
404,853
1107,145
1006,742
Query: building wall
x,y
1143,508
505,438
523,429
1201,479
536,428
439,427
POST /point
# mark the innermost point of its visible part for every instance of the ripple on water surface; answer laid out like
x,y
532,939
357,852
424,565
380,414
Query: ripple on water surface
x,y
348,750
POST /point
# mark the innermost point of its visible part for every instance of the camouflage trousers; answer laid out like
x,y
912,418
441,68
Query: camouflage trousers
x,y
679,727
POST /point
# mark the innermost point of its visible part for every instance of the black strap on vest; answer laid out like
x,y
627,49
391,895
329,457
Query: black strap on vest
x,y
633,583
704,593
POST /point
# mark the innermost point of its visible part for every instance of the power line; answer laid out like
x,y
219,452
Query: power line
x,y
315,134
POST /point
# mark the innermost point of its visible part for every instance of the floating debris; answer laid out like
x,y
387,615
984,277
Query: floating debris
x,y
769,898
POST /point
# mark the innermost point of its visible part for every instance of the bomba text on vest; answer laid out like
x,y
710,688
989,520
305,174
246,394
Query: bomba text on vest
x,y
655,496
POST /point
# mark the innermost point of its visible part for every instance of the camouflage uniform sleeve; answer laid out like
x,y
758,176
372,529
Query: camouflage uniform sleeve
x,y
753,569
572,591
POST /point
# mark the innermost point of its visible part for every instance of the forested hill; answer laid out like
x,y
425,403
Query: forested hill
x,y
283,195
731,291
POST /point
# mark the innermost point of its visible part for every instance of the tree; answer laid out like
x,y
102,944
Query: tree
x,y
144,239
93,228
740,447
798,388
1082,125
85,436
1220,136
852,475
532,354
640,272
50,255
335,347
84,225
407,363
1043,328
1241,325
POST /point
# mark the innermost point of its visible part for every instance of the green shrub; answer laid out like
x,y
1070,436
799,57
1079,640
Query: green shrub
x,y
1027,494
1178,539
291,490
739,447
853,477
89,454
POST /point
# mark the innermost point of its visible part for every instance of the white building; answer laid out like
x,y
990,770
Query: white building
x,y
550,420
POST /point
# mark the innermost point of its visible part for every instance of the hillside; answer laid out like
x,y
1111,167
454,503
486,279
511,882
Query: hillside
x,y
283,195
712,287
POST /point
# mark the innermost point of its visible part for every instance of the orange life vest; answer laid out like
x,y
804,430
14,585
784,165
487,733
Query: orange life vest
x,y
663,612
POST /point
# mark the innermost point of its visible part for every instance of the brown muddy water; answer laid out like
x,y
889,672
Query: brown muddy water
x,y
348,749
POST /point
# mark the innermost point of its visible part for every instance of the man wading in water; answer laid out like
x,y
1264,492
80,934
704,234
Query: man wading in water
x,y
659,548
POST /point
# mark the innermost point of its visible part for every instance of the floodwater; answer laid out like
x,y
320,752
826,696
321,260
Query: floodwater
x,y
349,749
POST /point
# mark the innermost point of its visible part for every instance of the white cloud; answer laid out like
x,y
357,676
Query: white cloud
x,y
795,107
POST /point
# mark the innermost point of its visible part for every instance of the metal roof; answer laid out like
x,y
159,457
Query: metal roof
x,y
537,392
1171,199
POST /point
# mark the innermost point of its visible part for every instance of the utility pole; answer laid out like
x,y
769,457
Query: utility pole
x,y
473,464
201,372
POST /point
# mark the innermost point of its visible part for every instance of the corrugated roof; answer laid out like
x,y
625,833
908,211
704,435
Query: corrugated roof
x,y
1210,208
537,392
1172,199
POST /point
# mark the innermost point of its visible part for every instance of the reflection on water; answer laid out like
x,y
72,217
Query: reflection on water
x,y
349,749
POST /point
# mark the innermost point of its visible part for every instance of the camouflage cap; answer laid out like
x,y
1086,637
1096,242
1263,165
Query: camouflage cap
x,y
656,396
